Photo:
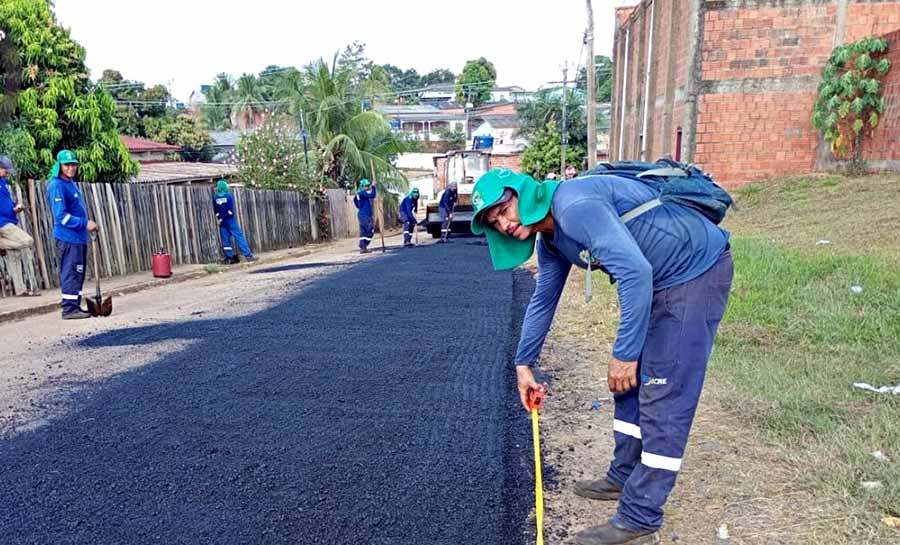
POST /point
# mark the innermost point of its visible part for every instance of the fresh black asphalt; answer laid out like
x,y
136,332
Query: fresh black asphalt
x,y
374,407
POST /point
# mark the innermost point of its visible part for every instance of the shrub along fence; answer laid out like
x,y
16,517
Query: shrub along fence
x,y
137,220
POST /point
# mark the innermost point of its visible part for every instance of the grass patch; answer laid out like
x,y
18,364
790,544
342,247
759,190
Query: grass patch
x,y
212,268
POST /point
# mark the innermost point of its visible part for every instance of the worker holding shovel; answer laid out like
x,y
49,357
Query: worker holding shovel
x,y
365,196
70,229
223,204
408,208
673,268
446,207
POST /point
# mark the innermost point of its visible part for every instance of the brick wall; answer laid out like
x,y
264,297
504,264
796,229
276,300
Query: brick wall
x,y
512,161
759,68
884,144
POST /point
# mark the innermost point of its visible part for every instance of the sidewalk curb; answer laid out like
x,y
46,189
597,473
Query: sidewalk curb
x,y
47,308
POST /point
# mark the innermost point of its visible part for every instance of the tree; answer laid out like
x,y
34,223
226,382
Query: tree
x,y
10,75
546,108
440,75
58,106
183,131
475,83
247,99
604,75
349,141
272,157
543,153
216,114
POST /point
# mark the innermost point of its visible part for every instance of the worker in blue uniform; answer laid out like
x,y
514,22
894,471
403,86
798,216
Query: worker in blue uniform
x,y
673,270
70,229
408,208
13,237
223,204
446,207
365,196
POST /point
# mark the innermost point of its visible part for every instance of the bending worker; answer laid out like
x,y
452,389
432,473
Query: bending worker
x,y
223,204
446,207
13,237
673,268
365,196
408,208
70,229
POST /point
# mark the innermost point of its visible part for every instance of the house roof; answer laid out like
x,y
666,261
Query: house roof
x,y
174,172
225,138
142,145
419,112
502,121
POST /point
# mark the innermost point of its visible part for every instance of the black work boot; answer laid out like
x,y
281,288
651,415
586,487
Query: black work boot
x,y
611,534
602,489
75,315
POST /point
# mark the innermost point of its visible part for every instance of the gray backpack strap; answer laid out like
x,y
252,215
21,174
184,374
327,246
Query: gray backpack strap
x,y
665,171
637,211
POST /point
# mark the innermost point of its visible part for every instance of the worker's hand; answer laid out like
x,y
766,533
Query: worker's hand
x,y
622,375
18,208
526,383
92,226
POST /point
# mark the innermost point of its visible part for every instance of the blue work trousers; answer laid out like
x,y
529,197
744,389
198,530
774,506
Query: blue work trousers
x,y
71,274
230,228
366,231
651,422
409,228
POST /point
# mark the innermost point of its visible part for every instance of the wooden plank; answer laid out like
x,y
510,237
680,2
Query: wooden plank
x,y
38,235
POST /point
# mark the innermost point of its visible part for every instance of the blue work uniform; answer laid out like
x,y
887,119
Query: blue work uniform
x,y
70,231
7,205
673,271
445,207
408,208
363,201
229,227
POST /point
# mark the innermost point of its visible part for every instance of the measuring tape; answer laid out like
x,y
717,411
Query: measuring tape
x,y
535,403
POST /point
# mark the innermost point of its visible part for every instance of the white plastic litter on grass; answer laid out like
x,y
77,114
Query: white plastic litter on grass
x,y
871,485
881,390
878,455
822,242
856,290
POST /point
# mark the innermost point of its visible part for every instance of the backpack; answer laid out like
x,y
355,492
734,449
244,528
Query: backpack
x,y
676,182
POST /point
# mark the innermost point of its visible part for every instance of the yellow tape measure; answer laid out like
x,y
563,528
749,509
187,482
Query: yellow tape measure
x,y
535,402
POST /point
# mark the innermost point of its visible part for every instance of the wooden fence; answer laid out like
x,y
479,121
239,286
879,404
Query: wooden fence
x,y
342,215
137,220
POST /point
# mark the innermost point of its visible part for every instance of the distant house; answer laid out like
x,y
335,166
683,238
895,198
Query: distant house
x,y
223,145
423,121
441,93
148,151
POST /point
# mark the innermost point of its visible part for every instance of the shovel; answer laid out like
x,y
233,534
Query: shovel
x,y
98,306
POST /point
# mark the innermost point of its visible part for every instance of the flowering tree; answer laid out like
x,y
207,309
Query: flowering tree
x,y
272,158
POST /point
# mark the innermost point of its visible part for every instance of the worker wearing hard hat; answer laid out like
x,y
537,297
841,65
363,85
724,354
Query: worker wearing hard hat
x,y
365,196
446,207
408,208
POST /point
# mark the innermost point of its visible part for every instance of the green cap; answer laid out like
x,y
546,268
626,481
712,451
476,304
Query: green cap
x,y
362,183
222,187
66,157
414,193
534,205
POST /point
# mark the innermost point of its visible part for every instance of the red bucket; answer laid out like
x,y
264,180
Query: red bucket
x,y
162,264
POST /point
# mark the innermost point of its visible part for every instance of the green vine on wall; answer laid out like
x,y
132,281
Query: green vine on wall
x,y
850,102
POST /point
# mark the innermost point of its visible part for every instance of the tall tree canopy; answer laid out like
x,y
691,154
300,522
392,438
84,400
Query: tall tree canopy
x,y
58,106
475,82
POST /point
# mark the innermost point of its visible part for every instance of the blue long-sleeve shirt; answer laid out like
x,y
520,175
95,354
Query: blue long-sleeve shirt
x,y
664,247
69,216
448,200
7,204
224,207
363,201
408,207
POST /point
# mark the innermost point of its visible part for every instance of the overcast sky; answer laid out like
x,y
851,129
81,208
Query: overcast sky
x,y
190,41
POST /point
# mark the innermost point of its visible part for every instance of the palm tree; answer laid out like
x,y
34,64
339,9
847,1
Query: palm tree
x,y
247,99
351,141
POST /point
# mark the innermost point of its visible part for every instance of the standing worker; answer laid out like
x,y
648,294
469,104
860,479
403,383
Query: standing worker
x,y
12,237
674,270
408,208
446,206
70,229
365,196
223,203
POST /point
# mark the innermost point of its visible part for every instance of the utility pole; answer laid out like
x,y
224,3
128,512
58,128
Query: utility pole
x,y
564,137
591,90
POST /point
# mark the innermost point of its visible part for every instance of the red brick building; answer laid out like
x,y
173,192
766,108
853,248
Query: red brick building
x,y
730,84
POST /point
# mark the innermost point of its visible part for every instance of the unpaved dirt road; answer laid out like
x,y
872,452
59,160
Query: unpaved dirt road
x,y
326,400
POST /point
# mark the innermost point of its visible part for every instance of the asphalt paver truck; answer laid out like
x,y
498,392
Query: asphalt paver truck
x,y
464,168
